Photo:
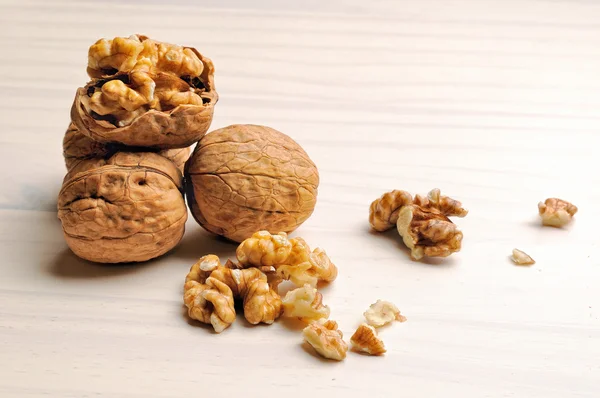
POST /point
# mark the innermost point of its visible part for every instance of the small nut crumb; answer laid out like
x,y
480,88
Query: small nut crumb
x,y
521,258
383,312
556,212
326,339
304,303
365,340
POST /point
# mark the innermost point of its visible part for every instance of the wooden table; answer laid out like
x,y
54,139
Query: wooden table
x,y
495,102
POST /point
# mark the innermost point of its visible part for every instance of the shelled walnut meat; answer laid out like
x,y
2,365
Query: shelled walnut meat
x,y
78,148
422,222
126,208
145,93
246,178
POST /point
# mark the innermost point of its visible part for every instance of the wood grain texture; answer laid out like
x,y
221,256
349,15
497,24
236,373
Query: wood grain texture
x,y
495,102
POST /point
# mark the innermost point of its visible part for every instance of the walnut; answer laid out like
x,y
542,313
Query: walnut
x,y
445,205
556,212
247,178
262,248
261,302
208,300
326,339
126,208
428,232
383,213
365,340
291,258
304,303
521,258
422,222
78,147
383,312
145,93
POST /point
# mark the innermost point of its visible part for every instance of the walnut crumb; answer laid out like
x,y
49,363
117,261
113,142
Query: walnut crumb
x,y
365,340
556,212
383,312
326,339
521,258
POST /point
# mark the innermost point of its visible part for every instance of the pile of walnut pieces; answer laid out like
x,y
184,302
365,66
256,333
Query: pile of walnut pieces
x,y
422,222
131,128
263,261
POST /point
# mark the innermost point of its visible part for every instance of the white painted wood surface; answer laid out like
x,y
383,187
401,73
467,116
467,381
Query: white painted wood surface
x,y
495,102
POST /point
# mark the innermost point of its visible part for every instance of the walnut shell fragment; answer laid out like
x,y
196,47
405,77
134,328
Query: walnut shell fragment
x,y
145,93
248,178
126,208
78,147
556,212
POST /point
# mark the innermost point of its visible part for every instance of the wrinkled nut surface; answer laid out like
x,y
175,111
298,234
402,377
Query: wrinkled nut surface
x,y
521,258
126,208
263,248
383,312
365,340
78,147
291,258
248,178
383,213
304,303
208,300
326,339
556,212
261,302
145,93
422,222
428,232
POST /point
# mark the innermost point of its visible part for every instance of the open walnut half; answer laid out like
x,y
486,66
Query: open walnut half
x,y
145,93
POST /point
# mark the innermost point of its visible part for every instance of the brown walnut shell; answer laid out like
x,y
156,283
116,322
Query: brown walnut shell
x,y
247,178
179,127
127,208
78,147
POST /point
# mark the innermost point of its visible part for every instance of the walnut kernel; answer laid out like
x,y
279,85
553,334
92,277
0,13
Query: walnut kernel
x,y
383,213
365,340
383,312
428,232
521,258
304,303
262,248
326,339
556,212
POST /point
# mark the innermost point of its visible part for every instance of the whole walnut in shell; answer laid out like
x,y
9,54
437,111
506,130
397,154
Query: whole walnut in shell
x,y
126,208
248,178
145,93
78,147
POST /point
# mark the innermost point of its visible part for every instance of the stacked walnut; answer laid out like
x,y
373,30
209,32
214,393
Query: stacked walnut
x,y
131,128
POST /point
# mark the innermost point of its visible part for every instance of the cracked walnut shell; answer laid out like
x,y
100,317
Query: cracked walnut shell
x,y
145,93
78,147
326,339
556,212
126,208
247,178
365,340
